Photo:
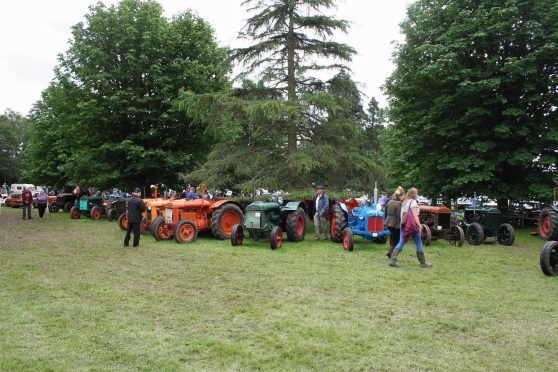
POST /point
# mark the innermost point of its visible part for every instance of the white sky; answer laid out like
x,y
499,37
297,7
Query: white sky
x,y
34,32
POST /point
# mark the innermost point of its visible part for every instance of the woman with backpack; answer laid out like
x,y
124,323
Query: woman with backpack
x,y
410,227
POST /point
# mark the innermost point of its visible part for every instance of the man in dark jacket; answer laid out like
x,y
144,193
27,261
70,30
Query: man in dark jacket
x,y
321,203
135,207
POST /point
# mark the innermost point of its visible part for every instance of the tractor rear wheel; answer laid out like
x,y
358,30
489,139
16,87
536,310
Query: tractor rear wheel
x,y
276,238
338,223
224,218
144,226
53,208
75,213
296,225
456,236
95,212
549,258
67,206
123,221
185,231
161,230
506,234
475,234
237,235
426,235
348,239
548,224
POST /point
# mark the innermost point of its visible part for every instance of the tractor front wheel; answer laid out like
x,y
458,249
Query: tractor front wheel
x,y
95,212
123,221
475,234
296,225
426,235
224,218
338,223
456,236
549,258
348,239
68,206
237,235
161,230
185,231
75,213
276,238
144,226
548,224
506,234
111,214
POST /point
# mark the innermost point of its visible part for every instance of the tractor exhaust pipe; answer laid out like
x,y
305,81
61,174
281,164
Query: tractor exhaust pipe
x,y
375,193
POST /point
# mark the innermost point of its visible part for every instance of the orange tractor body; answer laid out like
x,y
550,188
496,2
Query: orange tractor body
x,y
183,219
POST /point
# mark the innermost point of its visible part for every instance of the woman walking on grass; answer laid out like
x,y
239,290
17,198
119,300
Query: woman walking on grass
x,y
393,218
410,227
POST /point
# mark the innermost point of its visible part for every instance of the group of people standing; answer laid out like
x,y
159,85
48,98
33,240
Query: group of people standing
x,y
27,202
402,220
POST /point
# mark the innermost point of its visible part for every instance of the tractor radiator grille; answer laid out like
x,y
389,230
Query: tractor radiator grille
x,y
375,224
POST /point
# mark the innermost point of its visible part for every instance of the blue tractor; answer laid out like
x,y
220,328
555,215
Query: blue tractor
x,y
360,218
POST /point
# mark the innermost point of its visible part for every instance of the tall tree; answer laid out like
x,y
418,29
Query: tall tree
x,y
13,139
108,117
280,135
474,98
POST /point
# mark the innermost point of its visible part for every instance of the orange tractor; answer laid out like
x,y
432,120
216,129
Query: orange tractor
x,y
183,219
155,207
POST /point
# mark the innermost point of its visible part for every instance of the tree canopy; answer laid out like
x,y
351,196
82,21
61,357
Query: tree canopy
x,y
474,98
108,119
13,139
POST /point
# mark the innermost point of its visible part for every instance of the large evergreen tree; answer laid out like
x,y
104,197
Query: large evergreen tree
x,y
108,118
13,139
291,128
474,98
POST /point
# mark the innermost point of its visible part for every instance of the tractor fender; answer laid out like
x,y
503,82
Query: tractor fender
x,y
223,202
344,208
293,206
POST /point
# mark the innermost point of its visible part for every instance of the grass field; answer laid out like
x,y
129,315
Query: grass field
x,y
72,298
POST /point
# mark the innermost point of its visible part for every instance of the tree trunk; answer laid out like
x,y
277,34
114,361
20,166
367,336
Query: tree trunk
x,y
291,85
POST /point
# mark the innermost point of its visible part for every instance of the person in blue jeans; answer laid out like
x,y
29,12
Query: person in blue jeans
x,y
410,205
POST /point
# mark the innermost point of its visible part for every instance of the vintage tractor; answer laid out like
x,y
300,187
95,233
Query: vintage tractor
x,y
484,222
64,201
183,219
357,217
548,221
549,258
154,208
268,220
437,223
116,208
91,206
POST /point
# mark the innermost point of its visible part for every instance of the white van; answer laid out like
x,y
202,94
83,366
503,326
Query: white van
x,y
17,188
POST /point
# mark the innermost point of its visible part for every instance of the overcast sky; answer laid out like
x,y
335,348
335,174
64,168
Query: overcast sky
x,y
34,32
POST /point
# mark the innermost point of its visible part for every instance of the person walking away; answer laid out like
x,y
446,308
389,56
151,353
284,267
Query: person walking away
x,y
42,201
410,227
321,202
135,207
26,201
393,218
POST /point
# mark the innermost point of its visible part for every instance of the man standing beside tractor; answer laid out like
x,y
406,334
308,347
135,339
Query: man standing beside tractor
x,y
321,202
135,207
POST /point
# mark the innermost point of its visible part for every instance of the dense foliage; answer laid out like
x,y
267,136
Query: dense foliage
x,y
290,128
13,138
474,98
107,119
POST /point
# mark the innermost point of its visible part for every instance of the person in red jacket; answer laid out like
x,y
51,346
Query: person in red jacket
x,y
26,201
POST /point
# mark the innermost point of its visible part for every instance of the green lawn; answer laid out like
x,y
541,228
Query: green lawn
x,y
72,298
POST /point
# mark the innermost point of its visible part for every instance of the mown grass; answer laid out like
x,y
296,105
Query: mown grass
x,y
72,298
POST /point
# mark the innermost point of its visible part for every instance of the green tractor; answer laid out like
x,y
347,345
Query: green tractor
x,y
268,220
91,206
